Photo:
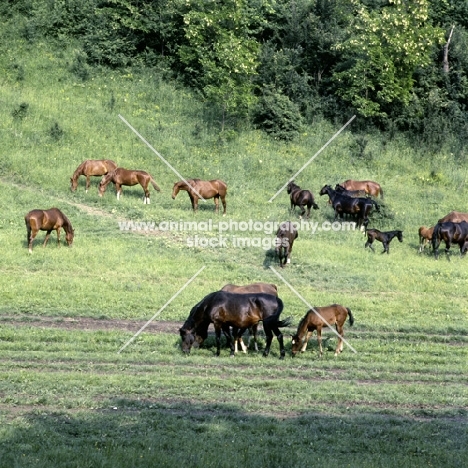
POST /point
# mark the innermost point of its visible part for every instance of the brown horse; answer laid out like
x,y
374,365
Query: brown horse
x,y
316,319
267,288
454,217
205,189
48,220
91,167
370,187
122,176
425,236
301,198
285,237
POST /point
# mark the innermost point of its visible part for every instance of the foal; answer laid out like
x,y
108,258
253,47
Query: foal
x,y
284,241
425,236
384,237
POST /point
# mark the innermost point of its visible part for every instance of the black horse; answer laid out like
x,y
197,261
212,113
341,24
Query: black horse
x,y
284,241
384,237
350,193
342,204
450,233
239,311
301,198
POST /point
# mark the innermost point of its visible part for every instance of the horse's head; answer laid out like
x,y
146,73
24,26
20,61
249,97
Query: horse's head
x,y
175,190
73,184
103,184
325,190
339,188
400,236
291,186
296,344
189,339
69,236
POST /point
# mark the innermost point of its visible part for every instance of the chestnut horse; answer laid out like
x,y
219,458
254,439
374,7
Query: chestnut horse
x,y
425,236
205,189
316,319
239,311
454,217
48,220
91,167
267,288
122,176
370,187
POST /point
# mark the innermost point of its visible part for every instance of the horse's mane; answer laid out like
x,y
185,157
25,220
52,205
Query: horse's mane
x,y
78,169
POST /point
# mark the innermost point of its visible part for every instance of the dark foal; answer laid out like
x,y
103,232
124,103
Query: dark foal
x,y
384,237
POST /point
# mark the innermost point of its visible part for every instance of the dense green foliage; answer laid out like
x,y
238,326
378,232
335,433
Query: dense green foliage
x,y
68,398
379,59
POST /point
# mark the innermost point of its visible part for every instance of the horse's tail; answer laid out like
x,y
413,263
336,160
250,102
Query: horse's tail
x,y
154,184
350,317
284,323
315,206
381,193
377,206
435,237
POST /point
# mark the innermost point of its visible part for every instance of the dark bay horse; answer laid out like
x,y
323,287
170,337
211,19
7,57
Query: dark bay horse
x,y
206,189
239,311
316,319
267,288
91,167
450,233
285,237
301,198
128,177
384,237
425,236
48,220
369,186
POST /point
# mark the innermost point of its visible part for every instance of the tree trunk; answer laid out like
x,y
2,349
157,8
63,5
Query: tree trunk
x,y
445,62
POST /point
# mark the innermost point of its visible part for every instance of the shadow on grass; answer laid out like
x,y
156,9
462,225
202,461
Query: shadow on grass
x,y
132,432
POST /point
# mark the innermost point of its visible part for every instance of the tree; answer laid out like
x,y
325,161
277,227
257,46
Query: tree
x,y
384,48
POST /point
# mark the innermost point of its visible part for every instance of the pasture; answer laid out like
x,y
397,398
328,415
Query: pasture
x,y
68,398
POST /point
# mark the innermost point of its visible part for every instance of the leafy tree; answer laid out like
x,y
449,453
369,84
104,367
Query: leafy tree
x,y
219,54
384,48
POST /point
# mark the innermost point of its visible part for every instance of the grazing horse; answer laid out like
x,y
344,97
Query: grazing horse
x,y
122,176
316,319
48,220
370,187
425,236
205,189
301,198
285,237
266,288
454,217
239,311
91,167
384,237
450,233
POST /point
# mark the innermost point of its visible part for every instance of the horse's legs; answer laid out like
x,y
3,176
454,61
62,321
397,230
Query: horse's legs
x,y
88,183
369,244
319,339
47,238
269,339
146,200
32,233
339,347
223,201
118,189
386,247
216,202
218,339
279,336
253,334
306,341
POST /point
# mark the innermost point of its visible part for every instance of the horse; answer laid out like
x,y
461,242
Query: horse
x,y
128,177
205,189
48,220
454,217
285,237
239,311
425,236
369,186
91,167
450,233
316,319
384,237
301,198
267,288
350,193
343,204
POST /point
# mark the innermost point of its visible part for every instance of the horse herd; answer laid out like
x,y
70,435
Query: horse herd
x,y
234,309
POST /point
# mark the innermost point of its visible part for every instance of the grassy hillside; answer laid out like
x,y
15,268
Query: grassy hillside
x,y
401,399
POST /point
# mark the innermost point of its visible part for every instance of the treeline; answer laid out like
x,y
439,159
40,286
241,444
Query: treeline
x,y
401,65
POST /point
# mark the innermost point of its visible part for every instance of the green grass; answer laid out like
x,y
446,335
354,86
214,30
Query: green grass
x,y
67,398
